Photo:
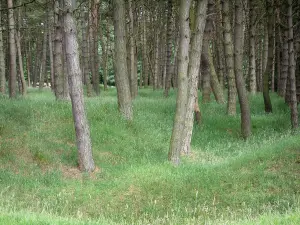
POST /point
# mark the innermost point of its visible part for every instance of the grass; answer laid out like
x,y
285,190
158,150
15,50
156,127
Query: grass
x,y
225,180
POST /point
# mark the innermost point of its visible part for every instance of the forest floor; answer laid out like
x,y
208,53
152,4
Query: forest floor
x,y
224,181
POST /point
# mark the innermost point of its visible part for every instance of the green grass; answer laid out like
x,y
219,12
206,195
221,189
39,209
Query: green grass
x,y
225,180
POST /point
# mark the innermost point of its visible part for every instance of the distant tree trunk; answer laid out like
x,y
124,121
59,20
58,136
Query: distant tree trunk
x,y
94,16
35,65
12,51
284,65
193,72
292,67
145,48
156,53
51,52
2,60
132,47
231,106
120,65
169,49
43,72
214,82
58,53
268,70
238,70
182,95
252,47
28,63
85,159
85,57
206,88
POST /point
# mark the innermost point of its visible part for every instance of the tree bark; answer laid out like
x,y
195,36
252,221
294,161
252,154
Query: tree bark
x,y
292,67
268,70
2,60
58,52
85,159
231,106
43,62
182,95
12,51
238,71
193,72
120,66
252,66
169,49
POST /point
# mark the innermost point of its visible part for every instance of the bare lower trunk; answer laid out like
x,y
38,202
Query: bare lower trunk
x,y
268,70
12,51
182,95
193,71
231,106
120,65
238,71
43,63
21,69
2,60
252,66
85,159
284,65
292,67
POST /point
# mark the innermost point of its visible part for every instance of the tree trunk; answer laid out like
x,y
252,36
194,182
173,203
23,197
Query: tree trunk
x,y
214,82
2,60
268,70
121,72
85,159
12,51
292,67
51,53
193,72
182,95
132,47
238,70
169,49
206,88
58,52
284,65
252,66
231,106
145,48
43,72
85,57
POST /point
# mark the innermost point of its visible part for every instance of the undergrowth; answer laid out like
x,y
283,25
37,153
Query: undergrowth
x,y
225,180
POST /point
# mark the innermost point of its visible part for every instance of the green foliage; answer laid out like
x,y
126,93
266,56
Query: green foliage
x,y
224,181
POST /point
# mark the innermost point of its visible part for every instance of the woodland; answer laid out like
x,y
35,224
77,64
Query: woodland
x,y
149,112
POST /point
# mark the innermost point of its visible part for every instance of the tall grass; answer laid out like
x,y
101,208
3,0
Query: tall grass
x,y
224,181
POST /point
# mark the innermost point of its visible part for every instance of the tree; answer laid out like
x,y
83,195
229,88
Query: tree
x,y
120,65
85,158
238,70
12,51
2,60
181,101
270,16
228,49
293,102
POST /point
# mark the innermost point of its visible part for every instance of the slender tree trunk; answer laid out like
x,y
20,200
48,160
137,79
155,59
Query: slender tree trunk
x,y
43,72
252,47
284,65
268,70
51,54
2,60
182,95
193,72
85,57
132,47
169,49
231,106
145,48
214,82
85,159
292,67
58,53
121,72
206,88
238,70
12,51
